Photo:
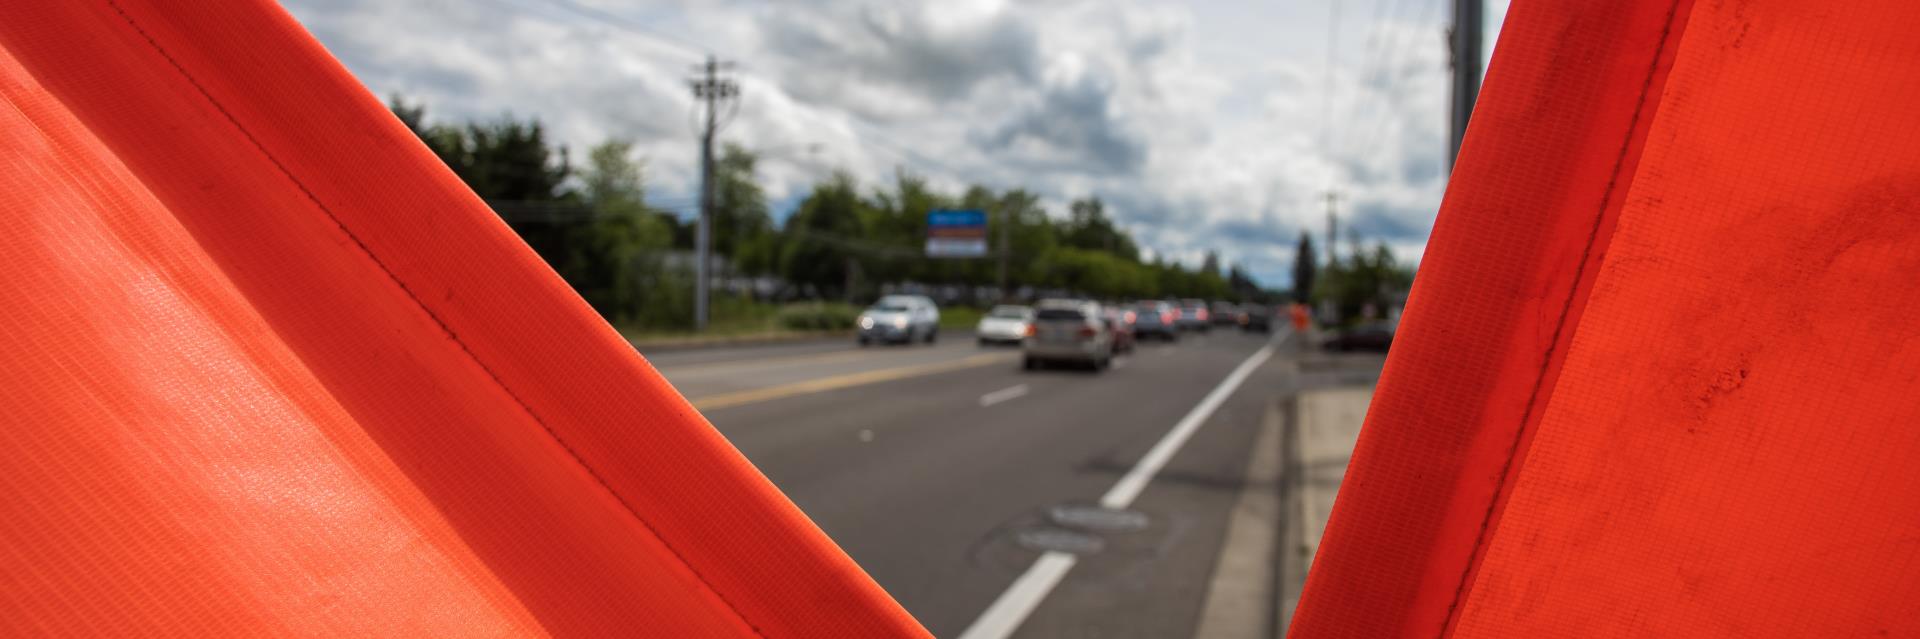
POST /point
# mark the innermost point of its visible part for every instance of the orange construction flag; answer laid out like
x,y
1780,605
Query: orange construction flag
x,y
1660,372
268,368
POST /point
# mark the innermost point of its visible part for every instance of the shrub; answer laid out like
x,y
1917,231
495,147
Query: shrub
x,y
818,316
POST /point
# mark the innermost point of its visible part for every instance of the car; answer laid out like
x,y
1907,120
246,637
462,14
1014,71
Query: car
x,y
1376,336
900,319
1121,321
1155,320
1256,318
1005,324
1225,313
1068,332
1194,316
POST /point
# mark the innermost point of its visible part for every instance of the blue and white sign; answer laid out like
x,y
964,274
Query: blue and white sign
x,y
956,233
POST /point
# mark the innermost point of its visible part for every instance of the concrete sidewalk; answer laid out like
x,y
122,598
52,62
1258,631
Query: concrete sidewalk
x,y
1299,457
1327,423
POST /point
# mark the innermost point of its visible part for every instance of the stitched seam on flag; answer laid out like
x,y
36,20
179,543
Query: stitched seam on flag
x,y
1546,358
429,312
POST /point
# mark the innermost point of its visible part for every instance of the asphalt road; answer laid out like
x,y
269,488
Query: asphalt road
x,y
936,467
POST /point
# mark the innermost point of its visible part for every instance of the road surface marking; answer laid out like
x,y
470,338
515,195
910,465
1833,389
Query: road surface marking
x,y
1121,363
1136,480
1241,594
1012,607
750,396
709,368
1004,394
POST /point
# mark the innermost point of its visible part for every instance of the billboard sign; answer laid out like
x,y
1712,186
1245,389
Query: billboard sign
x,y
956,233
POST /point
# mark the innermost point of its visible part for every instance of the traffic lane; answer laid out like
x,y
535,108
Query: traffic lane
x,y
794,439
931,497
1153,582
682,356
754,369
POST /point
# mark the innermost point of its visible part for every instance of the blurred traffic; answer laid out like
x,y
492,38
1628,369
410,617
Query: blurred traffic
x,y
981,287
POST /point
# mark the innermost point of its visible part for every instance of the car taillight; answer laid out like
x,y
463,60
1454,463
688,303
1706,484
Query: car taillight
x,y
1087,332
1129,317
1166,317
1201,314
1032,330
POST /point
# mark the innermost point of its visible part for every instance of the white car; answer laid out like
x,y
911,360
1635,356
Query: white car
x,y
902,319
1069,331
1005,324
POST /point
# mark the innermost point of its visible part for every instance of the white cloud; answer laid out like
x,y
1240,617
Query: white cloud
x,y
1203,125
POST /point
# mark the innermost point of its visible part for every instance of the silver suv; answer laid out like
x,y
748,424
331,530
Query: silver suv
x,y
902,319
1068,331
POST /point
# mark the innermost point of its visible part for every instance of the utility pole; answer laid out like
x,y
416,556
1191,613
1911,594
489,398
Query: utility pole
x,y
1333,227
713,90
1464,40
1006,248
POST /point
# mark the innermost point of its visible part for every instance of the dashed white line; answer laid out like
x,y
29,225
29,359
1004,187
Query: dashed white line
x,y
1008,611
1004,394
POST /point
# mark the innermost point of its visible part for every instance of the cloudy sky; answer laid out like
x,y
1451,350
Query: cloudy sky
x,y
1203,125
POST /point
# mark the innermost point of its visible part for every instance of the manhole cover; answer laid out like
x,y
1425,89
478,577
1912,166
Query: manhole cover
x,y
1059,540
1097,519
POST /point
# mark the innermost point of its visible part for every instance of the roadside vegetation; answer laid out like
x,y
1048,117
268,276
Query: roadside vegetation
x,y
845,244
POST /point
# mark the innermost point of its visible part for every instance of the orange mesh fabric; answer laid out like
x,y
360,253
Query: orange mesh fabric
x,y
268,368
1718,442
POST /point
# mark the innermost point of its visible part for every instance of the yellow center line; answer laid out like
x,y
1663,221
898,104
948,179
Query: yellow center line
x,y
750,396
762,364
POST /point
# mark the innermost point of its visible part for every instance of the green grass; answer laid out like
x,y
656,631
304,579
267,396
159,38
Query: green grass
x,y
741,319
960,317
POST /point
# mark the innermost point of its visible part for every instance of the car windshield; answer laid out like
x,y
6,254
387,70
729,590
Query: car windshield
x,y
1010,312
888,308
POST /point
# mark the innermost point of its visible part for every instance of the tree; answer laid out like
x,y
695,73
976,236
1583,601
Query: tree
x,y
621,245
1305,264
898,219
1031,236
412,115
1088,227
814,249
1241,285
446,142
1211,264
1366,278
509,160
742,229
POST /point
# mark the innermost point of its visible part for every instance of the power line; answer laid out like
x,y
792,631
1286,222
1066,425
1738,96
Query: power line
x,y
1390,62
1333,33
866,131
693,50
1367,54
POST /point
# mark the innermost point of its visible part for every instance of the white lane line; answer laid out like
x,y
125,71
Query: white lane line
x,y
1135,480
1012,607
1004,394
